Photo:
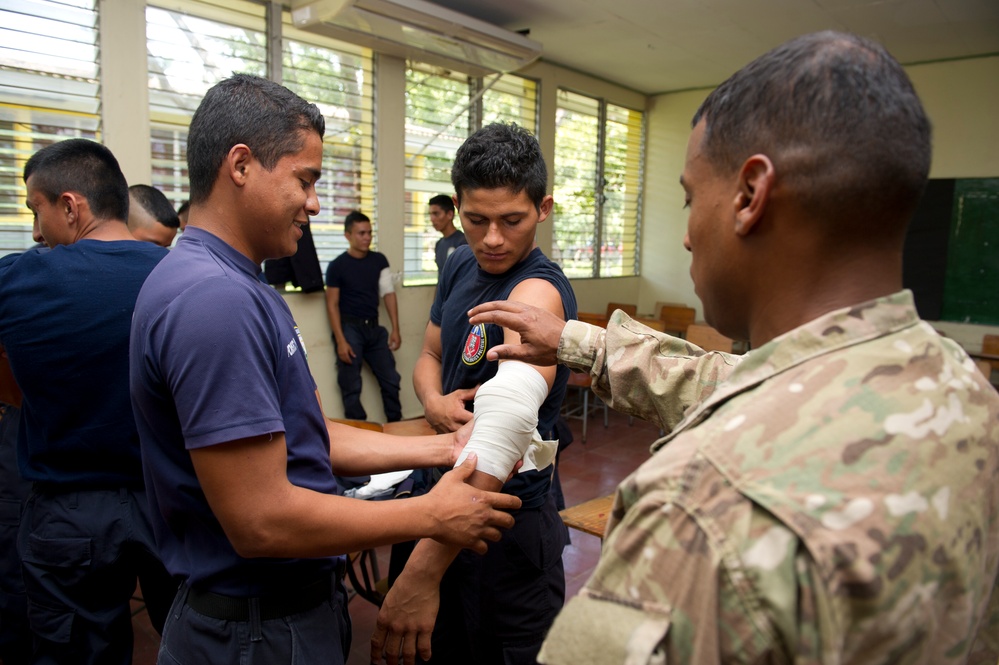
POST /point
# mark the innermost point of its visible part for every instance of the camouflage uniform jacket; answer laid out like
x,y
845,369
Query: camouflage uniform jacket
x,y
832,498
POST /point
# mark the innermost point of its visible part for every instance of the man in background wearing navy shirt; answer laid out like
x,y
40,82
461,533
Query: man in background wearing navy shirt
x,y
354,282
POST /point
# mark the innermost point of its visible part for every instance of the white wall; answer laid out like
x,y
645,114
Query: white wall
x,y
961,98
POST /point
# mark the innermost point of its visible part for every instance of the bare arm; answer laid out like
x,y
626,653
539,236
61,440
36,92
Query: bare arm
x,y
343,349
297,522
446,413
358,452
392,305
407,616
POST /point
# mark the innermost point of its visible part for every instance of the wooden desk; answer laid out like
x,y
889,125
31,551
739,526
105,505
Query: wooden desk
x,y
411,427
590,516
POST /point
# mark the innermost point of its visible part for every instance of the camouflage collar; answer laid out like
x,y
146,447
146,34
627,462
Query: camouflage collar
x,y
830,332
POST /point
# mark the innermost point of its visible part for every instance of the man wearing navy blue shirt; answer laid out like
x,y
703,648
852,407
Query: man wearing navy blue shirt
x,y
495,609
236,450
355,281
65,312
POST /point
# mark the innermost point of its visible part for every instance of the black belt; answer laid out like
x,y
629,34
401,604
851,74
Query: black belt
x,y
358,321
231,608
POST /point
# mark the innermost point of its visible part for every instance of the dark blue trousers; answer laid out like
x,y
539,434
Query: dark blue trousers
x,y
81,552
15,638
370,345
497,608
320,636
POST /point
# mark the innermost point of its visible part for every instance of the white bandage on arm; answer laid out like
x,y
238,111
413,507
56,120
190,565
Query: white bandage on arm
x,y
506,418
385,283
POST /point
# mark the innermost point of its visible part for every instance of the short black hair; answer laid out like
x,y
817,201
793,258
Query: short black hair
x,y
500,156
352,217
839,118
156,204
85,167
265,116
183,207
443,201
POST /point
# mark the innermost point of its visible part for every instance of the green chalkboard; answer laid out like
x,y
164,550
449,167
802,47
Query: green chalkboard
x,y
971,286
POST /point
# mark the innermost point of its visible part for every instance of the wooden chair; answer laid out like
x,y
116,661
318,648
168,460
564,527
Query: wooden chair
x,y
657,310
676,319
581,382
593,318
990,346
629,309
708,338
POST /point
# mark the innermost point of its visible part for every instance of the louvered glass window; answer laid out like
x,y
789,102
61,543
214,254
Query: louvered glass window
x,y
190,48
442,109
49,86
598,175
338,78
193,45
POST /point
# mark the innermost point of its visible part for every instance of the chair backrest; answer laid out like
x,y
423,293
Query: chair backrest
x,y
593,318
662,303
990,345
708,338
627,308
676,319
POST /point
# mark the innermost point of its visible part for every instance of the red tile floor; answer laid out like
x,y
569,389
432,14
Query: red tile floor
x,y
587,470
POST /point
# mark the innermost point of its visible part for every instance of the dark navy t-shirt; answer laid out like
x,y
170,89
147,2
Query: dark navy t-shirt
x,y
464,285
357,280
65,315
216,356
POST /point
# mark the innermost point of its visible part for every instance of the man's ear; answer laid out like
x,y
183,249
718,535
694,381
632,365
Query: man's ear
x,y
545,208
74,205
756,181
237,161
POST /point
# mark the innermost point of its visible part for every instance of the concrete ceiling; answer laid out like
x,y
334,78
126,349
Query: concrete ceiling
x,y
654,46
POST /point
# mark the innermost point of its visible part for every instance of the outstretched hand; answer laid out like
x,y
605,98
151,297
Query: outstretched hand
x,y
539,330
469,517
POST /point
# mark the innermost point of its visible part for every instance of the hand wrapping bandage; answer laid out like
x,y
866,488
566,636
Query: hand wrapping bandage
x,y
506,421
385,284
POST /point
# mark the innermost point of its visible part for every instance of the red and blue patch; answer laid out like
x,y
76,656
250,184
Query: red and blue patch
x,y
475,345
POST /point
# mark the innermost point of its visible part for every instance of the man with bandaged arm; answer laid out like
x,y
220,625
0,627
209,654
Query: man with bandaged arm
x,y
494,608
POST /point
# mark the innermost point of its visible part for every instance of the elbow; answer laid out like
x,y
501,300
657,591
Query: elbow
x,y
256,538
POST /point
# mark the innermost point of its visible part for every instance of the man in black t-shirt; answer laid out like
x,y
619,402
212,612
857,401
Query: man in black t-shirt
x,y
354,282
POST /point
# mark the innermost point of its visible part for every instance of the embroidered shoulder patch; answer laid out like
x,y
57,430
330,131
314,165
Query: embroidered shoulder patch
x,y
475,345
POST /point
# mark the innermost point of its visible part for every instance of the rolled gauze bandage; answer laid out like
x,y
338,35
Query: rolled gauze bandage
x,y
506,421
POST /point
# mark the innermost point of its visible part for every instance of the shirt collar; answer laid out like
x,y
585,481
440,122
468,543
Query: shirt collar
x,y
830,332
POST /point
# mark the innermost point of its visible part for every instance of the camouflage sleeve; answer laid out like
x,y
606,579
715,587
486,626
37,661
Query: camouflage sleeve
x,y
643,372
673,587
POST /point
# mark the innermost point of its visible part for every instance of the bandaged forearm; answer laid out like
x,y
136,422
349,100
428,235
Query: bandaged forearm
x,y
385,284
506,418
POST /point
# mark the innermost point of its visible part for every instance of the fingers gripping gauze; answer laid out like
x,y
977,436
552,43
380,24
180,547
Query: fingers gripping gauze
x,y
506,421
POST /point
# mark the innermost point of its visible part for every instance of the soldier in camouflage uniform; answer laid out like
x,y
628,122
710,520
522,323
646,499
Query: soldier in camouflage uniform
x,y
831,496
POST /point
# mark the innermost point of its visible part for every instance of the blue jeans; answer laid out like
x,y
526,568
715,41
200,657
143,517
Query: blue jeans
x,y
370,344
81,552
321,635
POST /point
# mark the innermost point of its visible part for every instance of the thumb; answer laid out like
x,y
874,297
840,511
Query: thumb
x,y
502,351
468,393
465,469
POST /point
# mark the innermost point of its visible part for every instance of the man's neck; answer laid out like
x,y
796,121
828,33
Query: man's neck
x,y
358,253
448,231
